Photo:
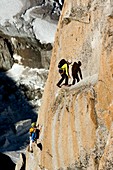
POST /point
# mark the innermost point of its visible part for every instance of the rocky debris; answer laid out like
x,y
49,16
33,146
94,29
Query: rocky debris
x,y
32,53
20,25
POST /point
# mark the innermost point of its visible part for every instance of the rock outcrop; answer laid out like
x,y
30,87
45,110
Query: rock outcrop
x,y
6,54
21,163
22,33
77,123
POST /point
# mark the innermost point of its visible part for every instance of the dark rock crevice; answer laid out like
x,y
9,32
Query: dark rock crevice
x,y
6,162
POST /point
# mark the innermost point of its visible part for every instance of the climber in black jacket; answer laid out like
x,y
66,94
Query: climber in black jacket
x,y
75,70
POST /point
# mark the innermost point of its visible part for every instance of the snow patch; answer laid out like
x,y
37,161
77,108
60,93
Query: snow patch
x,y
9,8
28,76
45,31
14,41
27,16
17,57
16,71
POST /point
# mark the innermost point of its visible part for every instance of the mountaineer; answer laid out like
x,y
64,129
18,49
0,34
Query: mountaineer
x,y
64,72
75,70
34,134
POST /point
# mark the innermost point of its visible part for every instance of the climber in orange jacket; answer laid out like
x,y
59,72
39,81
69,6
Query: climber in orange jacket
x,y
34,132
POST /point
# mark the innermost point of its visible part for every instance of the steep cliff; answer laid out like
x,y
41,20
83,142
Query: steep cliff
x,y
77,124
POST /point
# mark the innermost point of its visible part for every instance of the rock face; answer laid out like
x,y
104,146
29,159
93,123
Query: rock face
x,y
6,54
21,163
77,129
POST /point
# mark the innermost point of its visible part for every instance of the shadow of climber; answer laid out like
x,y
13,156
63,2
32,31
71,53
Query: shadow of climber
x,y
39,145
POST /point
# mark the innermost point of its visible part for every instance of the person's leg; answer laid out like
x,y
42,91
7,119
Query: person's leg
x,y
61,80
30,144
77,78
66,79
73,81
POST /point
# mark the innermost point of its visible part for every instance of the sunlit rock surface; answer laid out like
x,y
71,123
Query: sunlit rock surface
x,y
77,120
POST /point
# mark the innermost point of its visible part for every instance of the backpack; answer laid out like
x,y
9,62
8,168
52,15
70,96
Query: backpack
x,y
61,63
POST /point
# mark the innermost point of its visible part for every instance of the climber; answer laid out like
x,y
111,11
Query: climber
x,y
64,72
34,134
75,70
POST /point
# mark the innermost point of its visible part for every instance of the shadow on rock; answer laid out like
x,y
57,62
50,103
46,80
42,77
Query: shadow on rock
x,y
14,108
39,145
6,162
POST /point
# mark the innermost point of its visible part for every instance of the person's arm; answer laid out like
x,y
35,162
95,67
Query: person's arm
x,y
80,73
